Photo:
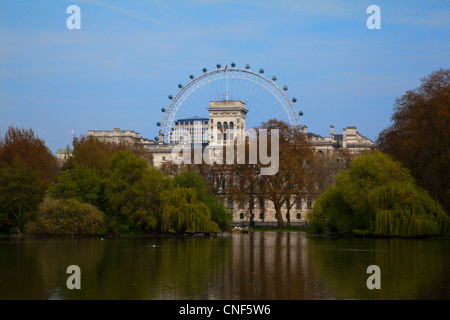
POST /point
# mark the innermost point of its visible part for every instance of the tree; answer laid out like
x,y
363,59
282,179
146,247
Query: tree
x,y
292,178
95,154
193,180
243,186
27,168
132,194
419,135
181,211
79,182
325,166
376,195
21,190
23,145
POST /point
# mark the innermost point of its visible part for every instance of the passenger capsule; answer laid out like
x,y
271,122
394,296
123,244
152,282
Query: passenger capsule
x,y
158,124
163,109
294,99
218,66
247,66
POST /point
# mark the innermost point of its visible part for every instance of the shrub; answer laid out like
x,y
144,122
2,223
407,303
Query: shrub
x,y
67,217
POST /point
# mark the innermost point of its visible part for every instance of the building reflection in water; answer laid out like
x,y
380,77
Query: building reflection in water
x,y
268,265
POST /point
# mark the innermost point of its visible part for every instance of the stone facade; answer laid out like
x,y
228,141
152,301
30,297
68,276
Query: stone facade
x,y
350,139
117,136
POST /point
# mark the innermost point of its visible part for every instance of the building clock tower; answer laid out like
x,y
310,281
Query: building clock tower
x,y
227,121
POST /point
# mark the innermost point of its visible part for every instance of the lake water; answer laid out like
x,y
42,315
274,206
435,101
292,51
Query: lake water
x,y
257,265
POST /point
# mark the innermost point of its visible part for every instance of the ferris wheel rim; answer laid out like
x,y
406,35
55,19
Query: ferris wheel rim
x,y
169,116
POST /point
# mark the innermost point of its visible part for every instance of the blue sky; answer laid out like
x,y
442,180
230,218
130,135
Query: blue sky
x,y
118,70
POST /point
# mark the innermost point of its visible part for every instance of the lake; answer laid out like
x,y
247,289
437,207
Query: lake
x,y
257,265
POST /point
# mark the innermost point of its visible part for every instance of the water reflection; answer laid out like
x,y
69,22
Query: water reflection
x,y
257,265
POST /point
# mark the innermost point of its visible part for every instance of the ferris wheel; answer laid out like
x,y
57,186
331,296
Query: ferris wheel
x,y
263,98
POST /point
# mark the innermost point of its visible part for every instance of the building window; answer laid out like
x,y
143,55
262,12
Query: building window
x,y
176,123
231,125
241,204
261,203
299,216
219,126
231,136
299,203
219,136
230,203
241,216
225,125
223,184
224,136
261,215
164,158
308,203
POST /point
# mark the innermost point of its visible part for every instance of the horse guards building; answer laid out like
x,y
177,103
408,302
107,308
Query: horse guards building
x,y
226,122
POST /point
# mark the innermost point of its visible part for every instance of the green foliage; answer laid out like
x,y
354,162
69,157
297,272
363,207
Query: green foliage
x,y
21,190
181,211
80,183
219,213
132,193
376,195
331,213
408,211
67,217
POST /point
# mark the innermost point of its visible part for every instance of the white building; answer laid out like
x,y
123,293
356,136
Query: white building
x,y
190,130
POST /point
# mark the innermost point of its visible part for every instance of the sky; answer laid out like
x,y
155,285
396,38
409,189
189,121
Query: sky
x,y
118,69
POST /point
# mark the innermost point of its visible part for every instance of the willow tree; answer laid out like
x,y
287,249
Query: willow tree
x,y
376,195
181,211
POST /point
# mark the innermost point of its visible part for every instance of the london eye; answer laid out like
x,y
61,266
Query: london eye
x,y
263,98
